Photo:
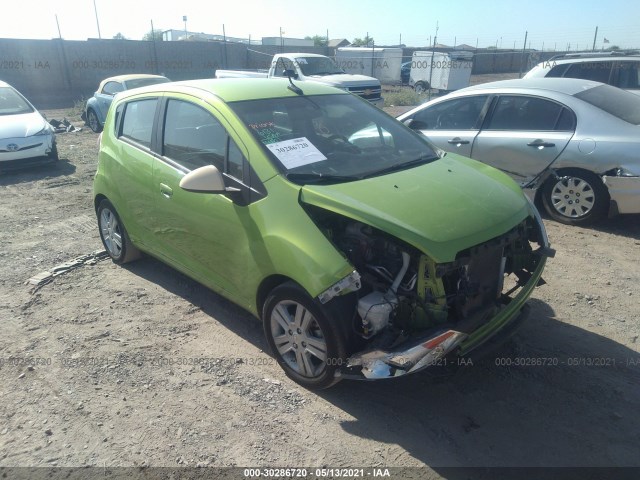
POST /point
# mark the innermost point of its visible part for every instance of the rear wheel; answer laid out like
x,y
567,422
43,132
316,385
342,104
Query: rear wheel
x,y
303,338
421,87
114,236
92,120
577,197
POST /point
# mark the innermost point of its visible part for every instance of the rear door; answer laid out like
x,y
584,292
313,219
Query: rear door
x,y
522,135
132,165
454,124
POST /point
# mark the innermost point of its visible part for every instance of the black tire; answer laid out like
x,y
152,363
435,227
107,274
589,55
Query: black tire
x,y
421,87
53,155
577,197
114,236
93,122
288,305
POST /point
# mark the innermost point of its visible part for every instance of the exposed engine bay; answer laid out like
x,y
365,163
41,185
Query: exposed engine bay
x,y
404,293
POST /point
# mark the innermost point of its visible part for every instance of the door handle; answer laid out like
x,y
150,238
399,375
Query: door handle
x,y
540,144
166,190
458,141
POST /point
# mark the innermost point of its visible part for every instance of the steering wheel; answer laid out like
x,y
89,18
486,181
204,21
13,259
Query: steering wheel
x,y
343,143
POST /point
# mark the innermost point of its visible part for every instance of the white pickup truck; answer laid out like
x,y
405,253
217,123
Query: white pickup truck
x,y
310,67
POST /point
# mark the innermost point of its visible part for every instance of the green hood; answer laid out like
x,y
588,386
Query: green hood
x,y
440,208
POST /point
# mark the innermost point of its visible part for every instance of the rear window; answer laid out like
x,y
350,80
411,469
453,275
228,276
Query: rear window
x,y
619,103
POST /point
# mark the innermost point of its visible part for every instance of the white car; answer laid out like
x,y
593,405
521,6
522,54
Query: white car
x,y
26,138
618,70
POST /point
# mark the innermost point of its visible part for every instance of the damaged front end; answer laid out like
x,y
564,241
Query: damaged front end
x,y
410,311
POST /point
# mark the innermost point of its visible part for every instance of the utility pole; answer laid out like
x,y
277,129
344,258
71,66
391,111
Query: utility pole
x,y
58,24
524,47
95,9
433,54
184,19
594,40
224,38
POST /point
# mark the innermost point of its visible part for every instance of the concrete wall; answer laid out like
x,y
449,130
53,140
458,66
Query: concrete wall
x,y
56,73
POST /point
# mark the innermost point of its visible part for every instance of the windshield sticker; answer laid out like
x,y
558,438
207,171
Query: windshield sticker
x,y
296,152
266,131
301,61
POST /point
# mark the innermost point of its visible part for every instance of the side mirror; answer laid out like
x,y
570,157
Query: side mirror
x,y
414,124
207,179
291,73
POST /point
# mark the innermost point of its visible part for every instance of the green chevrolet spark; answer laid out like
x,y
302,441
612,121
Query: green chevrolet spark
x,y
366,252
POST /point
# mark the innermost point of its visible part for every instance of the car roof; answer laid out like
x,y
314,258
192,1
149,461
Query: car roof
x,y
237,89
302,54
568,86
592,58
129,76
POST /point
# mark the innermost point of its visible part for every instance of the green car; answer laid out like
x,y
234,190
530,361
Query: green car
x,y
365,251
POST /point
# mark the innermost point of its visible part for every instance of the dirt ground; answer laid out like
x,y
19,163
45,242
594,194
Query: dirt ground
x,y
141,366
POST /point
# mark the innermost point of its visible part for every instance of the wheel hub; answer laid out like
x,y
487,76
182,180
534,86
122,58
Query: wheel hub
x,y
572,197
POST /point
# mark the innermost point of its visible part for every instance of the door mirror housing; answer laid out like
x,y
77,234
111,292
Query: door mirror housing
x,y
207,179
291,73
414,124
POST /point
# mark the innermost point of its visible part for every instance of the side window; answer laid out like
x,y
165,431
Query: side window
x,y
193,137
558,71
111,88
529,113
137,123
457,114
627,75
597,71
282,65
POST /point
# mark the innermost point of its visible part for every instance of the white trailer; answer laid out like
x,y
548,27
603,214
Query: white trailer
x,y
440,70
381,63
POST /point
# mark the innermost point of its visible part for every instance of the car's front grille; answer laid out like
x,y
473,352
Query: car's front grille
x,y
368,93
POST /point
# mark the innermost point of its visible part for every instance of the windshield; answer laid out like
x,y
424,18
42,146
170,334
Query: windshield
x,y
331,138
12,103
318,66
619,103
143,82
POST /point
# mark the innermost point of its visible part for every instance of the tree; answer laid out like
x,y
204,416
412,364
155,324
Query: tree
x,y
363,42
153,35
318,40
614,47
119,36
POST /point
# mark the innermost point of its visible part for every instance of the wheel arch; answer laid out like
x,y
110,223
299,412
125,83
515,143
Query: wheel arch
x,y
266,286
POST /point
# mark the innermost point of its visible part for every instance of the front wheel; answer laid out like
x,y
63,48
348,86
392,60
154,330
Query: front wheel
x,y
114,236
576,197
305,341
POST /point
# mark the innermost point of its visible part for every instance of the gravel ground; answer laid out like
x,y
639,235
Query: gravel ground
x,y
108,365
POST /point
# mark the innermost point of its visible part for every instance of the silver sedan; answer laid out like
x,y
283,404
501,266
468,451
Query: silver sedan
x,y
587,134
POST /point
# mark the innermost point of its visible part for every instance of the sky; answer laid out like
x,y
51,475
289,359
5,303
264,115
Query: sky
x,y
551,24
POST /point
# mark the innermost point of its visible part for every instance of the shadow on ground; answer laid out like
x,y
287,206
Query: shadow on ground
x,y
41,172
572,402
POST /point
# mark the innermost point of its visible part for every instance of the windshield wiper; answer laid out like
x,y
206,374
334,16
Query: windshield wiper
x,y
401,166
316,178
